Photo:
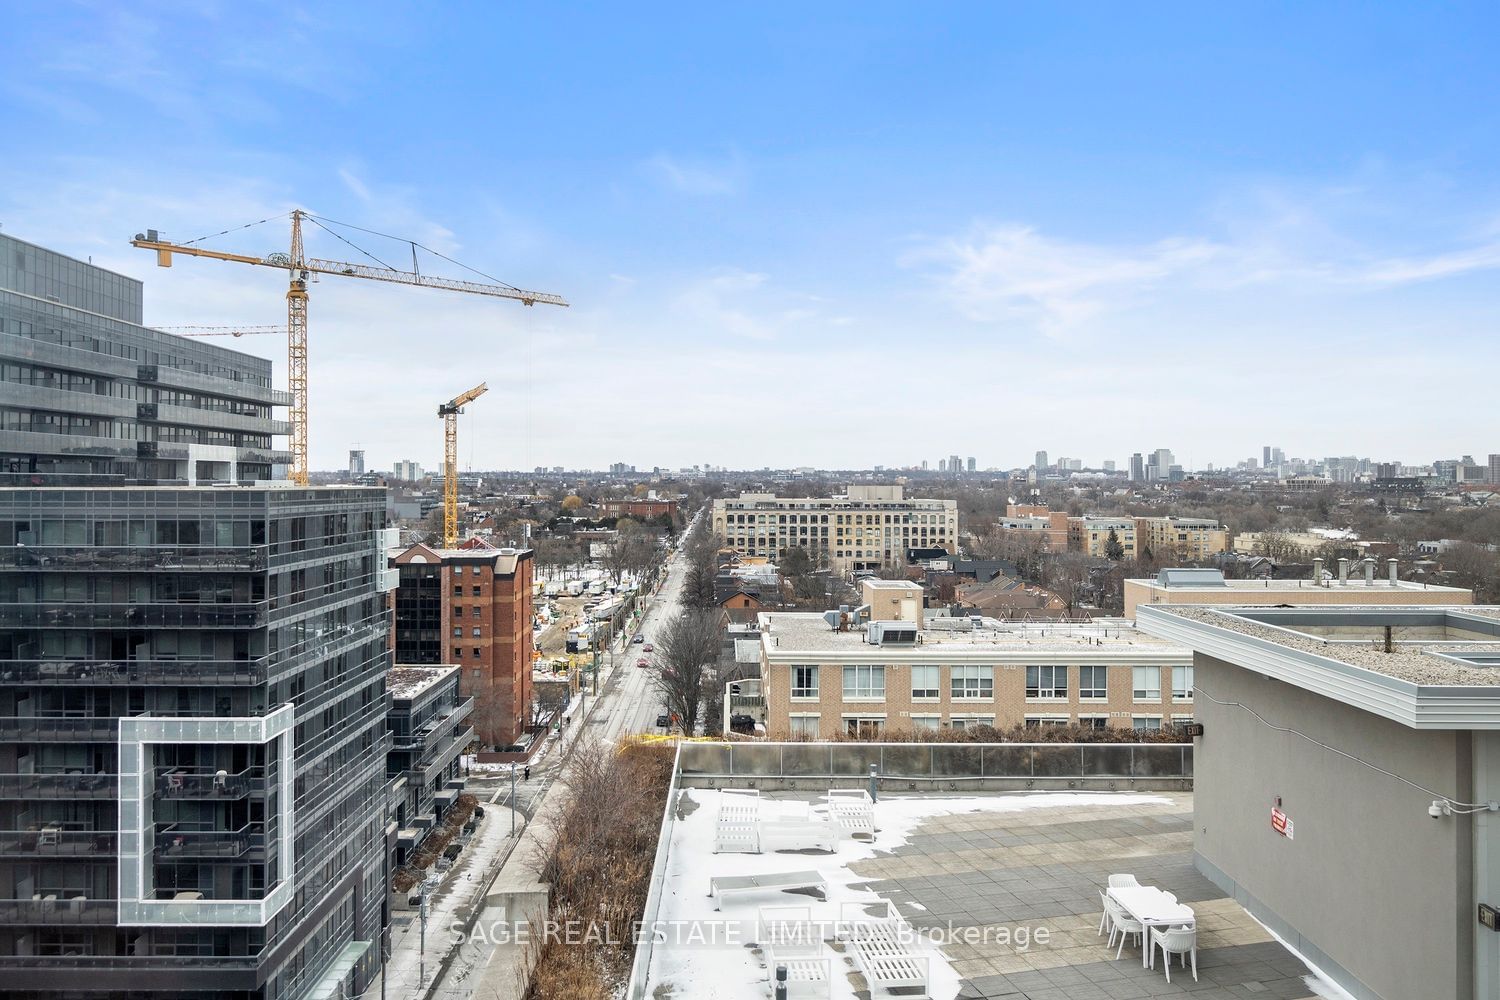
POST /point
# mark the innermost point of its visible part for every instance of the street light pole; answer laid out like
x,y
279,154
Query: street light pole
x,y
512,799
422,954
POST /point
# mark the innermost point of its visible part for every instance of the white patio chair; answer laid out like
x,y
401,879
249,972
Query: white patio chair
x,y
1181,941
1123,924
1120,881
1104,903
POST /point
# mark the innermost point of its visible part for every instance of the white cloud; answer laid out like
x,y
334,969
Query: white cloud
x,y
700,178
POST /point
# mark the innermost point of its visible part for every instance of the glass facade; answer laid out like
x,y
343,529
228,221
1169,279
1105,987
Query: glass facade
x,y
218,844
85,389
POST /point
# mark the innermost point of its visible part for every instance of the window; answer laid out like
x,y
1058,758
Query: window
x,y
864,727
970,721
474,570
864,682
458,653
926,682
458,612
805,726
1093,721
476,590
458,591
476,632
804,682
973,683
476,652
1181,720
458,632
477,612
1147,683
1182,683
1047,682
1093,683
1039,721
1146,722
926,721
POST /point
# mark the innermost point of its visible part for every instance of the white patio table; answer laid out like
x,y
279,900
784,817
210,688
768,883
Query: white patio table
x,y
1152,907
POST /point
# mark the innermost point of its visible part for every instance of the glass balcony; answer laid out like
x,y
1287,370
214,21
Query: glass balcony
x,y
181,840
434,731
135,557
203,783
54,840
47,729
60,907
134,616
197,672
59,786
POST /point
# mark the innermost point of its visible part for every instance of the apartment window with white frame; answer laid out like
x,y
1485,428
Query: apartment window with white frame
x,y
1151,722
804,682
863,727
1182,683
926,682
804,726
1093,683
864,683
1181,719
1093,721
1041,721
972,683
1146,685
1047,683
926,721
970,721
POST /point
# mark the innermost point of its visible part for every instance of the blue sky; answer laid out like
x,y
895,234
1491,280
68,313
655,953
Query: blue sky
x,y
1093,229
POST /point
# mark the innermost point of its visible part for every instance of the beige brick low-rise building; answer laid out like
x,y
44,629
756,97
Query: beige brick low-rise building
x,y
1090,534
1190,539
830,674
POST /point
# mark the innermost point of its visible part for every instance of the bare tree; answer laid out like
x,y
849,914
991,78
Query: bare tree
x,y
1069,576
687,648
547,699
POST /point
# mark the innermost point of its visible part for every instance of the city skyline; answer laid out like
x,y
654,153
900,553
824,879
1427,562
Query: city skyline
x,y
1123,220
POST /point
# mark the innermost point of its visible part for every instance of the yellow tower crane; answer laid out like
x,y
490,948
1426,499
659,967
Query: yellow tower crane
x,y
449,411
300,267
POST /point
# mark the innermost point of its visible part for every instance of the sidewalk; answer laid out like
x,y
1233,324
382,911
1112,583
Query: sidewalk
x,y
462,888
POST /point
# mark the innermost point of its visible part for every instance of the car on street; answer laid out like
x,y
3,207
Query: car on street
x,y
638,639
663,720
643,662
646,648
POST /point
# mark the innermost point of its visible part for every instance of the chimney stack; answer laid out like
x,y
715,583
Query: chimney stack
x,y
1391,566
1317,572
1369,562
1344,572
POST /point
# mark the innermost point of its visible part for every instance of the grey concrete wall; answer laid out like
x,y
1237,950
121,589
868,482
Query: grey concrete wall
x,y
1369,881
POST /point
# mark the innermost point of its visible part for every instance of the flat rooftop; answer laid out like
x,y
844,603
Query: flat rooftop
x,y
1353,586
794,632
1429,646
408,682
978,878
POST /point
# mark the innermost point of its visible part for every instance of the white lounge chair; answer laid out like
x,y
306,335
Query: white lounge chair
x,y
853,810
887,961
737,826
725,885
1120,881
1181,941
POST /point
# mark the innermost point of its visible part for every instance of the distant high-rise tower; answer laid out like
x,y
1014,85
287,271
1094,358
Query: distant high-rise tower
x,y
356,463
1041,460
972,464
1265,457
1137,468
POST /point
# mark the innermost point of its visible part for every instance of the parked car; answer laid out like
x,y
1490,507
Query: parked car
x,y
638,639
643,662
742,724
646,648
663,720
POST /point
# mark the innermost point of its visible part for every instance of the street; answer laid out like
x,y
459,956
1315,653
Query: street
x,y
627,703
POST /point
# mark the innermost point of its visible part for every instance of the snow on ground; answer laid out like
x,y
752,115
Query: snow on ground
x,y
1318,982
705,952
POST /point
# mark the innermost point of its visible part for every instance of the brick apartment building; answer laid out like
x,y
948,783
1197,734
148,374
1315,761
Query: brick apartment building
x,y
638,508
1031,520
897,669
471,608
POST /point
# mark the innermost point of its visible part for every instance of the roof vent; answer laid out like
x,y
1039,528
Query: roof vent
x,y
892,634
1191,578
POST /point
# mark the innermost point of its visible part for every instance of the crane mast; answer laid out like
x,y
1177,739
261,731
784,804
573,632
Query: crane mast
x,y
449,411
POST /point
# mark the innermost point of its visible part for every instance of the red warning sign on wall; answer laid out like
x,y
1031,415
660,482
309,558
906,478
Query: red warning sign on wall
x,y
1281,823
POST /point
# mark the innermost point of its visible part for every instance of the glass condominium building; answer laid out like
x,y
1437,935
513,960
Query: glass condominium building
x,y
193,730
86,389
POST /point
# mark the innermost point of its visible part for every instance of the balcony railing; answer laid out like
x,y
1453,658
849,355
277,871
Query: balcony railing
x,y
434,731
200,783
54,841
199,672
64,729
59,786
135,557
65,907
177,840
51,614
